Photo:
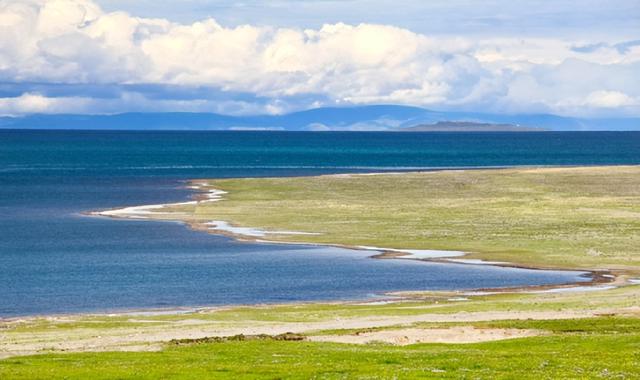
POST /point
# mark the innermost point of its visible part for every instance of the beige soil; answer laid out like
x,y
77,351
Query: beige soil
x,y
152,337
404,337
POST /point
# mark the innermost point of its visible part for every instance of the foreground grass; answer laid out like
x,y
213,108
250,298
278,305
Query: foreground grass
x,y
556,217
601,347
591,348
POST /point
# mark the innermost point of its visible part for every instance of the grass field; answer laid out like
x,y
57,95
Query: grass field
x,y
559,217
556,217
590,348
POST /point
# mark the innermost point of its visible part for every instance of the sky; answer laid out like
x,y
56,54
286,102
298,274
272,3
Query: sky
x,y
569,58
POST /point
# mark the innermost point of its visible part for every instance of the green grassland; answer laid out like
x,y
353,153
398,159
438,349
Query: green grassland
x,y
578,349
586,217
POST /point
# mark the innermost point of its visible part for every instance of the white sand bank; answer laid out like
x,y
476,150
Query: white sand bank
x,y
222,226
476,262
416,253
575,289
144,212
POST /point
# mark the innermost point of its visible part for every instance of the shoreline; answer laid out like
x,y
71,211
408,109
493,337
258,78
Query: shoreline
x,y
225,228
390,297
395,296
595,279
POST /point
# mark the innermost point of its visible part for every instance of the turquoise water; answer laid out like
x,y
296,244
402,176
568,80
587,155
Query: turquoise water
x,y
54,260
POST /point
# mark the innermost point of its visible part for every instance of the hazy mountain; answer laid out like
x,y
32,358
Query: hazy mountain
x,y
371,118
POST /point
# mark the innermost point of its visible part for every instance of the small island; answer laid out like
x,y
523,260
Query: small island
x,y
469,126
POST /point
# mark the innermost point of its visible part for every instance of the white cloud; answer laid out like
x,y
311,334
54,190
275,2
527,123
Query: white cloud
x,y
36,103
609,99
74,41
29,103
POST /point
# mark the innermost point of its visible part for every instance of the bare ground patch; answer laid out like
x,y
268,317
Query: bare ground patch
x,y
408,336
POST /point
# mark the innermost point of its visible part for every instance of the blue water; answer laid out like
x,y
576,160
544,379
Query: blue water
x,y
55,260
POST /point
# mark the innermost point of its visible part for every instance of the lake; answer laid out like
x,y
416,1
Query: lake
x,y
53,259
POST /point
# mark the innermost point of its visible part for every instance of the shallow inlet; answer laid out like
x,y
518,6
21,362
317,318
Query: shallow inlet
x,y
94,264
167,265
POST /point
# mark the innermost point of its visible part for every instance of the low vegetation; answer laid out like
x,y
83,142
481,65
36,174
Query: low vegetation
x,y
590,348
587,217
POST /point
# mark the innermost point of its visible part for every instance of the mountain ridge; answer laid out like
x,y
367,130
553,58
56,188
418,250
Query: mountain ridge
x,y
355,118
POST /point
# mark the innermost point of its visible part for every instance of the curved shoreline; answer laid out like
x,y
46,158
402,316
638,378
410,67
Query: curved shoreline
x,y
593,277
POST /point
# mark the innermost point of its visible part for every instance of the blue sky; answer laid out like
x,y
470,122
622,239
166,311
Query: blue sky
x,y
586,18
248,57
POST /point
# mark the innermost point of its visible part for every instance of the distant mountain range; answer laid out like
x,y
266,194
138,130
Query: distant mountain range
x,y
357,118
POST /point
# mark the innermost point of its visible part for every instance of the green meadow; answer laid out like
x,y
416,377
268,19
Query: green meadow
x,y
578,349
587,217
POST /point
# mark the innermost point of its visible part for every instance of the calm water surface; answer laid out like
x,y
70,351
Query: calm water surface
x,y
54,260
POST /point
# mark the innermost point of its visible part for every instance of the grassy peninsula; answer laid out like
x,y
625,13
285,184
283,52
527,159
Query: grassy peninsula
x,y
587,218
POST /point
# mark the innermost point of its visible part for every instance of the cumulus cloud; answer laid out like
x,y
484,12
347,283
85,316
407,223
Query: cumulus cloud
x,y
36,103
609,99
75,42
29,103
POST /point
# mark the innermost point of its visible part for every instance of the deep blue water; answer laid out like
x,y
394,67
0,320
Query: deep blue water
x,y
53,259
